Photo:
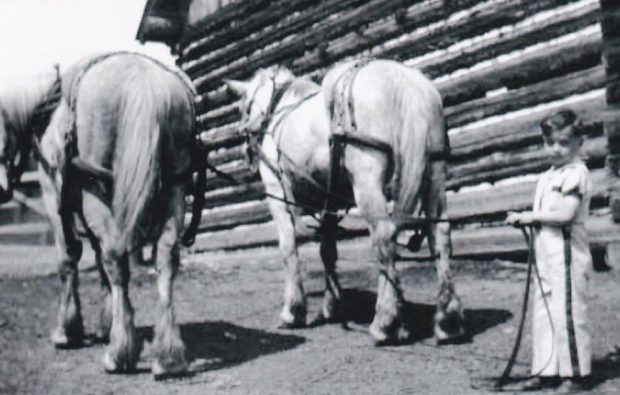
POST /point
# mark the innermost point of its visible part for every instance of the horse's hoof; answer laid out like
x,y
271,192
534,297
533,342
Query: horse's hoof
x,y
442,338
289,320
61,341
170,370
111,365
379,336
297,324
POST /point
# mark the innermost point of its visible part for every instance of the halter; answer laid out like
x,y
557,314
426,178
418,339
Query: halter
x,y
36,126
254,137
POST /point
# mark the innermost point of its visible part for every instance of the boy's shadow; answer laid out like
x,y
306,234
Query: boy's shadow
x,y
604,369
418,318
217,345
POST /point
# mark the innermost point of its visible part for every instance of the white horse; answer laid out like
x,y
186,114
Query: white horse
x,y
115,157
392,120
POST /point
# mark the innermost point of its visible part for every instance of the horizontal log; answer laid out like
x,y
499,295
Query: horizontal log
x,y
530,95
224,155
239,170
225,136
468,242
580,52
234,194
234,215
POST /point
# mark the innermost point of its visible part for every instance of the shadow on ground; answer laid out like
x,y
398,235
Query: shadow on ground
x,y
216,345
359,307
604,369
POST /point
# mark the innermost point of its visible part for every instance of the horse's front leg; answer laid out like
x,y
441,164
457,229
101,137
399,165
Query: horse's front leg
x,y
373,206
124,348
69,330
168,347
332,300
293,313
449,314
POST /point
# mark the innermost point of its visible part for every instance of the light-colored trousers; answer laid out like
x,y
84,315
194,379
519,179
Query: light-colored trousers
x,y
560,336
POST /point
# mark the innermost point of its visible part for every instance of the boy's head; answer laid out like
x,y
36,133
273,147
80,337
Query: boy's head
x,y
562,136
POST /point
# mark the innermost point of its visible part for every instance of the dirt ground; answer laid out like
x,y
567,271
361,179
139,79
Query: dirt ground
x,y
228,303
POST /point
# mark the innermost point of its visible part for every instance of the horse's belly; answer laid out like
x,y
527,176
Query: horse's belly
x,y
311,195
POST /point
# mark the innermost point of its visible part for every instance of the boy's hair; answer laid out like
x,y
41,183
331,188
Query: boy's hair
x,y
560,120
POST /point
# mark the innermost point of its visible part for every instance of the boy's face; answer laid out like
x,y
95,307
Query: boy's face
x,y
562,146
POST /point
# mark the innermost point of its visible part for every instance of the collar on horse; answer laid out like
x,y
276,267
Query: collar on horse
x,y
254,138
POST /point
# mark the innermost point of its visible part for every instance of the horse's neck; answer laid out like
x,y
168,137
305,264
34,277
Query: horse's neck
x,y
20,101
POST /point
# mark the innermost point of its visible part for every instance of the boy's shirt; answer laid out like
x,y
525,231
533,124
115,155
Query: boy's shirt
x,y
572,179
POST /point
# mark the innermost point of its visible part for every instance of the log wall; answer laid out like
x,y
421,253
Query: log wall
x,y
500,65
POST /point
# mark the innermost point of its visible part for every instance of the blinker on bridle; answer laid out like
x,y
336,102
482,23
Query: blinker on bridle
x,y
265,114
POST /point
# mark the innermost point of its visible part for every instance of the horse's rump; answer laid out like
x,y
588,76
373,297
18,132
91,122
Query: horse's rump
x,y
126,106
398,106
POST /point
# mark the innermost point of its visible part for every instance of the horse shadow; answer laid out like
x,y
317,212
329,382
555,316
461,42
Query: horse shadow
x,y
216,344
358,306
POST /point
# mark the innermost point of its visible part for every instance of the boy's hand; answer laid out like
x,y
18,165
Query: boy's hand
x,y
516,219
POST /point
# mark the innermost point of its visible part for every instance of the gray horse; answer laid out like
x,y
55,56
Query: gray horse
x,y
393,117
115,158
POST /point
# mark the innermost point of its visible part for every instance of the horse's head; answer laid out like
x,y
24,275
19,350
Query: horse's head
x,y
259,97
21,116
7,158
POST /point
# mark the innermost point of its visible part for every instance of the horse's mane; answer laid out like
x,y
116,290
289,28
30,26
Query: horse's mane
x,y
300,87
18,100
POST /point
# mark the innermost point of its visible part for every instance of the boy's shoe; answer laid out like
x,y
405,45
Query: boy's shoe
x,y
536,383
570,386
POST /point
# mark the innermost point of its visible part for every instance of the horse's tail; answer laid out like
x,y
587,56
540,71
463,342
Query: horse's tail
x,y
422,130
136,170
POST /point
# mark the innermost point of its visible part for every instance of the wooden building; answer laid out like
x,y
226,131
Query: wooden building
x,y
501,66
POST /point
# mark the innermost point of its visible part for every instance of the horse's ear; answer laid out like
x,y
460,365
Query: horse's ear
x,y
239,88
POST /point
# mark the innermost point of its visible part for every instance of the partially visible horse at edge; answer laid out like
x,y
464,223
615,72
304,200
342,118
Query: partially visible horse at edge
x,y
115,156
396,115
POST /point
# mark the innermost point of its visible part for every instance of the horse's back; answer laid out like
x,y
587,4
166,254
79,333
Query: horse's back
x,y
105,88
387,95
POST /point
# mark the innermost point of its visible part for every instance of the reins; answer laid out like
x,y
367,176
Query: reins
x,y
529,238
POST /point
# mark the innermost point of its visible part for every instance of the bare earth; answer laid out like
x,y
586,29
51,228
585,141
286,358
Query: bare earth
x,y
228,304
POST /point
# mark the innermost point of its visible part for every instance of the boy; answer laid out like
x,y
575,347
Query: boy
x,y
561,341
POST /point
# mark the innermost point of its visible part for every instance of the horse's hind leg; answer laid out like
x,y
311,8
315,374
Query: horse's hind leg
x,y
124,347
168,347
367,187
105,314
69,329
449,315
332,299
